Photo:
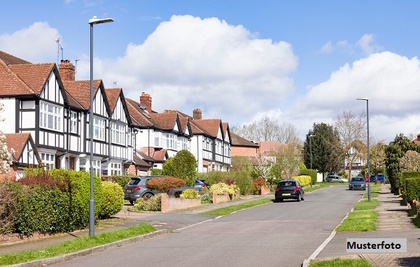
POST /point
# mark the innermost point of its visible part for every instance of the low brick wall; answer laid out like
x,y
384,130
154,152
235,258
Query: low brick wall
x,y
220,198
265,190
171,203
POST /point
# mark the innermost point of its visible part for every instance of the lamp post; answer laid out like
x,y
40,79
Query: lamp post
x,y
310,149
368,156
92,22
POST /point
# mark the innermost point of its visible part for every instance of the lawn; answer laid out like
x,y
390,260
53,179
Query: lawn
x,y
359,221
341,263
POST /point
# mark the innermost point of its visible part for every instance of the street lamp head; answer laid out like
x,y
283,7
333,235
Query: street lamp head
x,y
95,20
363,98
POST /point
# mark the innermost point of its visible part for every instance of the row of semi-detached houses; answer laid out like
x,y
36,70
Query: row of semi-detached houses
x,y
46,115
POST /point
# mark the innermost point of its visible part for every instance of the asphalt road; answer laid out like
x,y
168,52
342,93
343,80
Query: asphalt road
x,y
276,234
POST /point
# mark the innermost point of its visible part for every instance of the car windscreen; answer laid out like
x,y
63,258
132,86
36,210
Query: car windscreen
x,y
134,181
286,184
358,179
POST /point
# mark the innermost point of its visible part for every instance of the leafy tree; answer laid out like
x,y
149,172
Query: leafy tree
x,y
410,161
394,152
288,159
377,157
327,153
168,167
184,166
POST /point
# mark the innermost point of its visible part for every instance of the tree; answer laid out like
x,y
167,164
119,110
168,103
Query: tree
x,y
410,161
267,129
394,152
377,157
351,129
184,166
288,159
5,154
168,167
327,153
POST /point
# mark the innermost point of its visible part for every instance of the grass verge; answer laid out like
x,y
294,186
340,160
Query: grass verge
x,y
366,205
231,209
374,191
341,263
76,245
359,221
317,186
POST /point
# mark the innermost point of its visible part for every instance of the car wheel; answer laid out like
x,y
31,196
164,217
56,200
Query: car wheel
x,y
302,198
131,202
298,199
146,196
280,200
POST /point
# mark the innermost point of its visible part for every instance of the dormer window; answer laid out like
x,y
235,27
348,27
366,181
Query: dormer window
x,y
51,116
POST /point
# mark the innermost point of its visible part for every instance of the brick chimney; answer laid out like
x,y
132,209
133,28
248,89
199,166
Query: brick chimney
x,y
197,115
67,70
146,101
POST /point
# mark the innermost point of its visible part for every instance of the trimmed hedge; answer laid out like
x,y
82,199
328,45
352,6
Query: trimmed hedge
x,y
165,183
404,176
412,186
308,172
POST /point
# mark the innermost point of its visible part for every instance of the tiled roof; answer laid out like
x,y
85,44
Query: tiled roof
x,y
16,141
144,156
33,75
73,102
11,84
165,121
80,91
138,116
112,94
9,59
210,126
159,155
239,141
140,162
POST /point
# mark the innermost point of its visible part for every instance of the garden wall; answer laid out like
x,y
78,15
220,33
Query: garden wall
x,y
171,203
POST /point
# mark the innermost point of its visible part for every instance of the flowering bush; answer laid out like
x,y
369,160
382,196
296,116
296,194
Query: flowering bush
x,y
303,180
221,188
190,194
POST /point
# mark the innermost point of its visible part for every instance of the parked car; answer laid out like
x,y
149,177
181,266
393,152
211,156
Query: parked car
x,y
335,178
357,183
136,188
200,184
380,177
289,189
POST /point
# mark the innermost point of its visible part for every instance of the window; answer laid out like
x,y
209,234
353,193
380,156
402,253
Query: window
x,y
115,168
50,116
99,128
169,140
48,160
118,133
73,122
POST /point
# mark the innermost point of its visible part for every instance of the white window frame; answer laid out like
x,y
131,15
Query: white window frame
x,y
118,133
115,168
48,159
99,128
51,116
73,121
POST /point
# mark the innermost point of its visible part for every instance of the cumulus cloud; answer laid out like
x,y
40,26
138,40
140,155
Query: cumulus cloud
x,y
368,45
190,62
390,81
34,43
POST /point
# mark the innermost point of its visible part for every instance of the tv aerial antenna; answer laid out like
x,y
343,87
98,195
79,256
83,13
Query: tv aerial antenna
x,y
59,47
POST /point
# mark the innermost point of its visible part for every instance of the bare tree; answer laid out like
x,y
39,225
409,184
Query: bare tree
x,y
352,131
5,154
267,129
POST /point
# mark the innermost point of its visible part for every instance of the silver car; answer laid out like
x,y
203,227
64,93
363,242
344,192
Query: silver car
x,y
357,183
137,188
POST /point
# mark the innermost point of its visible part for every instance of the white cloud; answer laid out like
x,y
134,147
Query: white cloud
x,y
390,81
189,62
34,43
366,43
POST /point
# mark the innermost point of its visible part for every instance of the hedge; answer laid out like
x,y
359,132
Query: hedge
x,y
308,172
112,199
404,176
303,180
412,186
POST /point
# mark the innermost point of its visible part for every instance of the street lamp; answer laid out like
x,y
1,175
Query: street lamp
x,y
310,149
92,22
368,156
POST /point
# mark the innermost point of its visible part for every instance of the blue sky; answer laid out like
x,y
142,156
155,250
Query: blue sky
x,y
300,62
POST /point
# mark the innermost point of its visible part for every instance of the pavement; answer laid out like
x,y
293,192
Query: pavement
x,y
394,222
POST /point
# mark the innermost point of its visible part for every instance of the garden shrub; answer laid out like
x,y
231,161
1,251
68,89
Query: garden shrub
x,y
184,166
165,183
412,186
308,172
190,193
221,188
303,180
8,206
258,183
122,180
152,204
112,199
206,198
404,176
